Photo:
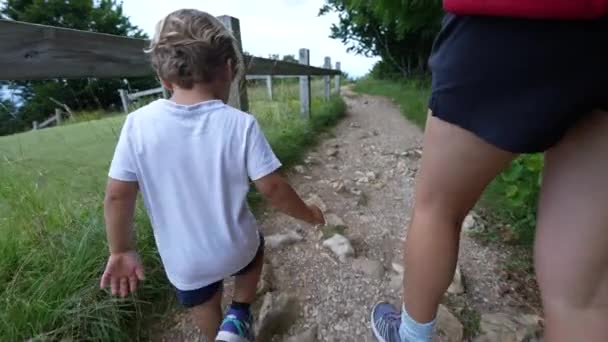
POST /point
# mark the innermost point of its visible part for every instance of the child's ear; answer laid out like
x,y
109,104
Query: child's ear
x,y
166,84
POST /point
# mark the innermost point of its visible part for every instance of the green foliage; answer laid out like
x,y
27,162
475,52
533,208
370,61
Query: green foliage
x,y
513,197
52,238
401,32
105,16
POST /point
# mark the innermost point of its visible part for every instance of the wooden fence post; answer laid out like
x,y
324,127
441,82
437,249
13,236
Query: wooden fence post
x,y
338,78
58,116
305,85
269,86
124,99
35,125
238,90
327,79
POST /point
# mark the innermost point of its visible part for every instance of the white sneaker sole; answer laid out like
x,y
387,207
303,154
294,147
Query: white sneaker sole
x,y
376,333
224,336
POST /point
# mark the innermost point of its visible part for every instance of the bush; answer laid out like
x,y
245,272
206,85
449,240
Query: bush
x,y
513,197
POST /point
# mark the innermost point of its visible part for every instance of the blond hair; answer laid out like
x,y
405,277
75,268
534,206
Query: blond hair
x,y
192,46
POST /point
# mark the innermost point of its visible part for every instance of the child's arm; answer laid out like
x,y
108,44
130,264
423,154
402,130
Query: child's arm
x,y
119,209
124,269
283,197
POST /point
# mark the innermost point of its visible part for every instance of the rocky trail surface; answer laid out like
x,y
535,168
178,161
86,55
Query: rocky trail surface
x,y
319,285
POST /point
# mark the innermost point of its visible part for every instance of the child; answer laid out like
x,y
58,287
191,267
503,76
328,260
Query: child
x,y
192,157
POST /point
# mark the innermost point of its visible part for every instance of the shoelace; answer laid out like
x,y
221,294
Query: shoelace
x,y
387,322
240,326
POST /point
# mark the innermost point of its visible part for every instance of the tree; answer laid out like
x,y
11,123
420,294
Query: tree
x,y
104,16
401,32
290,58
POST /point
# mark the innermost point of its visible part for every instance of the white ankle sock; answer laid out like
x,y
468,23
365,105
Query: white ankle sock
x,y
412,331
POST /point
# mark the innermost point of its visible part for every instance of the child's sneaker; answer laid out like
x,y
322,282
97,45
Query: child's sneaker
x,y
236,327
385,322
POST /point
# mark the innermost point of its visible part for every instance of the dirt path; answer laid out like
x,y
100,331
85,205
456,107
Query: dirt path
x,y
364,174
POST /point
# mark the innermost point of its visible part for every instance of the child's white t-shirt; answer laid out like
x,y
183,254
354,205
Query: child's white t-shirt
x,y
193,165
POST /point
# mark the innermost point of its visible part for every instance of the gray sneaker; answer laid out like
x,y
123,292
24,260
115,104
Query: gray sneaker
x,y
386,320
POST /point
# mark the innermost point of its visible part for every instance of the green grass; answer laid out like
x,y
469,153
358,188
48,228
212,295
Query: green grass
x,y
52,239
511,197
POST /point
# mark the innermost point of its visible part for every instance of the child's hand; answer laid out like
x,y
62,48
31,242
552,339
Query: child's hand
x,y
123,272
317,214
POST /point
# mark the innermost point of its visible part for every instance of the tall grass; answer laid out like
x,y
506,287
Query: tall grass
x,y
52,239
511,197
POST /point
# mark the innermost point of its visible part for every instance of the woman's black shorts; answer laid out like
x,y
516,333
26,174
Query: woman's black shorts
x,y
519,84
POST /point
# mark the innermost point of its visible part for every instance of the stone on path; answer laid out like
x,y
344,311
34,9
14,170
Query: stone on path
x,y
457,285
316,200
333,220
449,328
371,268
301,169
280,240
308,335
331,152
355,125
396,282
468,225
397,267
277,314
341,247
266,283
502,327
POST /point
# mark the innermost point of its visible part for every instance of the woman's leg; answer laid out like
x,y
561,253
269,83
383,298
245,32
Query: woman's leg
x,y
456,168
572,234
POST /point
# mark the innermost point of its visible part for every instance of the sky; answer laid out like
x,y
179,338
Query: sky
x,y
267,27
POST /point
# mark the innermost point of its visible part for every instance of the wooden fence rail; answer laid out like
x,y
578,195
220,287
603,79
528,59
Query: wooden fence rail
x,y
34,52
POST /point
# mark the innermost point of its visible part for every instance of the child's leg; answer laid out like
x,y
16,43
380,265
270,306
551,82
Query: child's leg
x,y
238,323
208,316
205,305
246,281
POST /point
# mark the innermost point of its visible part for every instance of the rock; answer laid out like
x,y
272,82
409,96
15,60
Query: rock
x,y
316,200
333,220
363,136
355,125
501,327
375,133
457,285
448,327
379,185
281,240
266,283
331,152
311,161
362,180
469,223
341,247
371,268
300,169
339,187
401,166
396,282
372,176
331,166
309,335
277,314
398,268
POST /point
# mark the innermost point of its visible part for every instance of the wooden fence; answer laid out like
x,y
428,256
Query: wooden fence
x,y
56,119
34,52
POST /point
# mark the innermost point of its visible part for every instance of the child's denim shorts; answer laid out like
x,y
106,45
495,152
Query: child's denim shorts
x,y
200,296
